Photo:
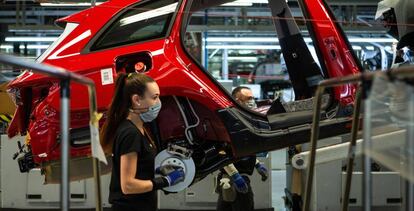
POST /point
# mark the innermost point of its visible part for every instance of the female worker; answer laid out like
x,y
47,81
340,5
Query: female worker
x,y
133,185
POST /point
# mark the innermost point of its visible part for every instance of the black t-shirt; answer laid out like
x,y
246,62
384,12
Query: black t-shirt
x,y
129,139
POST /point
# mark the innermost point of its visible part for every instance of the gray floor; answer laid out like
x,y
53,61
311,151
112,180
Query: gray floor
x,y
278,185
278,178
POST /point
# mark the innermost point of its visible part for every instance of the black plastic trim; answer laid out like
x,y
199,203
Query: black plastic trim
x,y
34,196
312,33
247,139
394,200
76,134
77,196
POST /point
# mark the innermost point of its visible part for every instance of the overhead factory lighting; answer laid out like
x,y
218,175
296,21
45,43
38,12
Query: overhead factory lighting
x,y
307,39
365,40
22,46
81,4
388,48
242,39
356,47
253,47
240,4
245,3
30,39
149,14
256,47
370,48
243,58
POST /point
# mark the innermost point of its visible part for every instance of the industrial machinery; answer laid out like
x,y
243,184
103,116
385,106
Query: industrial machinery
x,y
200,126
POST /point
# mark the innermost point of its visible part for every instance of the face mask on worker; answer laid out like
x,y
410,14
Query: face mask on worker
x,y
251,104
410,55
152,112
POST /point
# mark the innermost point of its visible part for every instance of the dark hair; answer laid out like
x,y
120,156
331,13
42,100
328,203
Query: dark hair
x,y
130,67
126,85
238,90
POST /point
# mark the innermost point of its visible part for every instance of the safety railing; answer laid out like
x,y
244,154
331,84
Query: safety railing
x,y
363,79
65,78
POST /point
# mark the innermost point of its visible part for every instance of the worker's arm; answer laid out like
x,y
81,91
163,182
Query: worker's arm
x,y
129,184
262,170
240,183
231,169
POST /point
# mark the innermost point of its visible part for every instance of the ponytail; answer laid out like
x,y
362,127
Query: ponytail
x,y
125,87
118,111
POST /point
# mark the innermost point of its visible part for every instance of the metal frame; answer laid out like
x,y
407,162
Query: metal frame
x,y
400,73
65,78
315,129
410,186
351,150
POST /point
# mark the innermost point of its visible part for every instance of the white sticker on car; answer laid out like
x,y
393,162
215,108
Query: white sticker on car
x,y
106,76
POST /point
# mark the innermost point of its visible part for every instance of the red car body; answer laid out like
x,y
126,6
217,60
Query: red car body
x,y
226,130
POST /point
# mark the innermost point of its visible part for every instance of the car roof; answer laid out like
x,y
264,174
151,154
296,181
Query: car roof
x,y
80,16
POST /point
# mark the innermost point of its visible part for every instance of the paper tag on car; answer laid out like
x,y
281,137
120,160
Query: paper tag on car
x,y
96,147
106,76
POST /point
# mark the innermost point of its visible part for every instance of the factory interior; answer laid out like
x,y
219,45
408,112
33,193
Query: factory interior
x,y
239,105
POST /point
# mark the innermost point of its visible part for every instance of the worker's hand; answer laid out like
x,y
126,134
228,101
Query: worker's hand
x,y
175,176
239,183
262,170
166,169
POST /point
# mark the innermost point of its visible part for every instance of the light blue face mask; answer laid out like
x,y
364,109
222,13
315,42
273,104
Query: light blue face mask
x,y
152,113
251,104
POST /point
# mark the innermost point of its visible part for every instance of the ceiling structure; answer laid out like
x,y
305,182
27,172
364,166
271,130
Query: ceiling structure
x,y
31,23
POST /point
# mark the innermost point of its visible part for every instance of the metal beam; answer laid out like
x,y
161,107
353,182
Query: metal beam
x,y
49,12
271,29
14,21
353,2
35,28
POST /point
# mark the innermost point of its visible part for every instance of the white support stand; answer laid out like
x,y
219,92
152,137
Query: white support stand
x,y
340,151
27,191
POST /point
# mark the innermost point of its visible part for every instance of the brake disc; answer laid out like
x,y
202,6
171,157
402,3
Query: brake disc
x,y
167,158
